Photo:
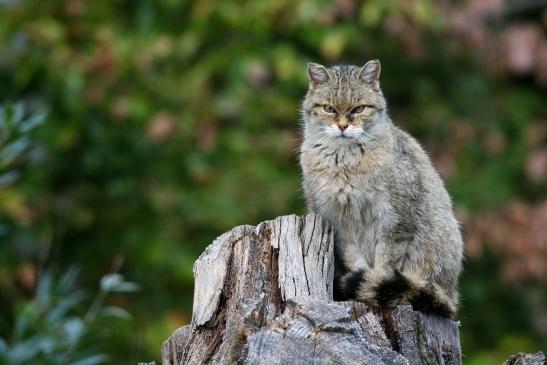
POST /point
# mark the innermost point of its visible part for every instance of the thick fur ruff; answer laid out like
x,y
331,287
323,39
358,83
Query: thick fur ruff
x,y
388,289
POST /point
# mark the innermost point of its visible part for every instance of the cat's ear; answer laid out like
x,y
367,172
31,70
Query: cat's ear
x,y
317,74
370,74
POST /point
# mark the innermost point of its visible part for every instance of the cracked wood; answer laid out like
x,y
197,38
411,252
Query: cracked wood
x,y
264,296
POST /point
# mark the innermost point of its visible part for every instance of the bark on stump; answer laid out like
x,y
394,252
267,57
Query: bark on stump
x,y
263,295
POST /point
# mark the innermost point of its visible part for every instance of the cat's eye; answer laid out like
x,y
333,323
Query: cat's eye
x,y
358,109
329,109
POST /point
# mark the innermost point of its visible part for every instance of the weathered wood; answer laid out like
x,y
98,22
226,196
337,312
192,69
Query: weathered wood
x,y
313,332
173,348
527,359
424,339
264,296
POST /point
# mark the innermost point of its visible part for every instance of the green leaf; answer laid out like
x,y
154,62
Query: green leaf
x,y
18,112
3,346
32,122
115,312
8,179
92,360
110,281
74,329
68,280
13,150
126,287
24,351
115,283
60,309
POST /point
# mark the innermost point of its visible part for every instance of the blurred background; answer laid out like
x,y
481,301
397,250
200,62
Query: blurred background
x,y
132,133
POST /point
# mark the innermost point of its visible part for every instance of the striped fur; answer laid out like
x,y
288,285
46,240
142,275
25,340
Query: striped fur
x,y
397,239
387,290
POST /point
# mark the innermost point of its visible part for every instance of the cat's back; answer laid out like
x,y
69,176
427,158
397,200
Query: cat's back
x,y
410,155
427,186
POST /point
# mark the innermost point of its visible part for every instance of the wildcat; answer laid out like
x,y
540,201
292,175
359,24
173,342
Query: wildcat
x,y
396,237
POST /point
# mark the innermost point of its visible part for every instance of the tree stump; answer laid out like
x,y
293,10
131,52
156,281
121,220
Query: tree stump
x,y
526,359
263,295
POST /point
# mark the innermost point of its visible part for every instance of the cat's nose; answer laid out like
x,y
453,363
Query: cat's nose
x,y
343,127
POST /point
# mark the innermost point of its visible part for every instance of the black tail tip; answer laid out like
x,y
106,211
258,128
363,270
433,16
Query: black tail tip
x,y
426,300
392,290
348,285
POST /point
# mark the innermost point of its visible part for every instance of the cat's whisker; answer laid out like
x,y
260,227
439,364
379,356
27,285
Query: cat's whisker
x,y
318,136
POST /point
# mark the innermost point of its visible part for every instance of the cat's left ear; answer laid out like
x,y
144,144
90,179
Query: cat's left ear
x,y
317,74
370,74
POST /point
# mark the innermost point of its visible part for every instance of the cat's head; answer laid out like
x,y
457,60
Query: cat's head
x,y
344,103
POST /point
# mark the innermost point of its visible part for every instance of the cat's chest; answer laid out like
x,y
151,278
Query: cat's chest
x,y
344,182
352,195
345,191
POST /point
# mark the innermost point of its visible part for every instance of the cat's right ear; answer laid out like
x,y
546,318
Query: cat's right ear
x,y
317,74
370,74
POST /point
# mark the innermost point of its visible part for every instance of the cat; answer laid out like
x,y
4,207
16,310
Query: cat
x,y
396,238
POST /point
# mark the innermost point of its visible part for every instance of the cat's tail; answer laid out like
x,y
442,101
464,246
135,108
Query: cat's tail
x,y
389,289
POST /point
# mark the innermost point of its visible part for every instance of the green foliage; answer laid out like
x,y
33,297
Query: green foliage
x,y
16,148
51,327
169,122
